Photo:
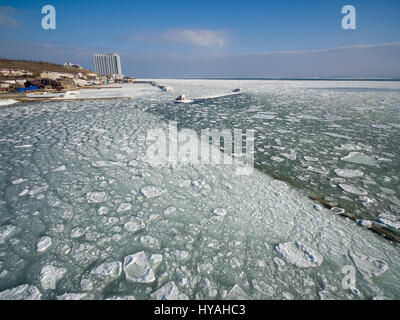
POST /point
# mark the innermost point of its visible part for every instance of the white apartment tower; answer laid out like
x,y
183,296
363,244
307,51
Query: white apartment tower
x,y
107,64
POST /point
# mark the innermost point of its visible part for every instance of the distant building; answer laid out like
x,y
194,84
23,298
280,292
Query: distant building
x,y
72,65
107,64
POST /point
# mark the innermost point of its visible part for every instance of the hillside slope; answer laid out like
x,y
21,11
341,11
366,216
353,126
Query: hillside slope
x,y
37,67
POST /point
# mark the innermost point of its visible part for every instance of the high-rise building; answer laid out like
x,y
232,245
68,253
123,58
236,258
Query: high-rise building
x,y
107,64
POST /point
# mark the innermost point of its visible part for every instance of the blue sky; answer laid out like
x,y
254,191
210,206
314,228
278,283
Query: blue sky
x,y
199,38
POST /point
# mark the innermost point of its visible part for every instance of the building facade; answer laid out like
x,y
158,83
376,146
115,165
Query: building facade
x,y
107,64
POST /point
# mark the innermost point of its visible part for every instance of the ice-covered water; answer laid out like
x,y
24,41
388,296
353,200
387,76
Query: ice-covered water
x,y
83,215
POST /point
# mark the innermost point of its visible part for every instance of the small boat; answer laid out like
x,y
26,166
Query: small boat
x,y
239,90
45,95
182,99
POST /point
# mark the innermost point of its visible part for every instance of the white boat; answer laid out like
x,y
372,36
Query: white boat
x,y
45,95
182,99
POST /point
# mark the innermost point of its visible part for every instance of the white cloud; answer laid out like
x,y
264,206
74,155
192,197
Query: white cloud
x,y
6,17
200,38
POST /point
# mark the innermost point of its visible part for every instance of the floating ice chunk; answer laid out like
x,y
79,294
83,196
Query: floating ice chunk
x,y
337,211
181,254
138,269
44,244
87,285
323,171
20,180
220,212
277,159
326,295
169,211
124,207
121,298
102,211
349,173
359,158
109,271
353,190
380,126
133,163
368,267
169,291
134,225
6,232
237,293
152,191
298,254
394,200
101,164
24,192
23,292
155,260
38,190
312,159
76,296
150,242
198,183
77,233
291,156
50,275
364,223
60,169
393,224
96,197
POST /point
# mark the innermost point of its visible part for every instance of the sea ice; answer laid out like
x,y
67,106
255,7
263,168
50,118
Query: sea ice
x,y
20,180
23,292
50,275
393,224
75,296
237,293
152,191
96,197
299,254
6,232
109,271
349,173
353,190
359,158
44,244
322,171
220,212
169,291
155,260
134,224
337,211
368,267
138,269
60,169
124,207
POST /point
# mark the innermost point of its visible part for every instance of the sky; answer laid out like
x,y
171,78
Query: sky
x,y
285,38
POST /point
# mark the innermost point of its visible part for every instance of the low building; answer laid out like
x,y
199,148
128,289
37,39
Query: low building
x,y
72,65
4,86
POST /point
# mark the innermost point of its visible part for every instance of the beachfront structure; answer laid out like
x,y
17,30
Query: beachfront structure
x,y
107,64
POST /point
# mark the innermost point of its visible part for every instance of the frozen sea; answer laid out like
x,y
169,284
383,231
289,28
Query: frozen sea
x,y
84,215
